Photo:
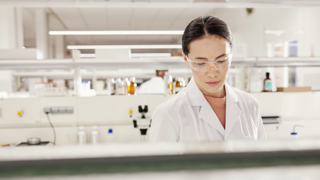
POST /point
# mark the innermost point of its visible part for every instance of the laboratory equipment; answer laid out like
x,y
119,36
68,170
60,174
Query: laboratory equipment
x,y
294,134
143,122
34,140
95,135
82,136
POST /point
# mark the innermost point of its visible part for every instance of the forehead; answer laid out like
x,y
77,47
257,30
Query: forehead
x,y
209,47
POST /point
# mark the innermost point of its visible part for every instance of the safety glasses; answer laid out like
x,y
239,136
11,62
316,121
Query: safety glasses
x,y
204,66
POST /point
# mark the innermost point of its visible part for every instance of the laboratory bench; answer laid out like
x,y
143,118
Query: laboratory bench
x,y
106,160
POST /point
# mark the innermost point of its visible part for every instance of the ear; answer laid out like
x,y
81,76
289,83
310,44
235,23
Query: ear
x,y
185,58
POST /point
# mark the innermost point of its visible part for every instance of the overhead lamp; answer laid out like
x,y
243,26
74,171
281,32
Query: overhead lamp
x,y
116,32
168,46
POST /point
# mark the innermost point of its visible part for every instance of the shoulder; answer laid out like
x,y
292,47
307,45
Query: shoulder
x,y
245,97
174,104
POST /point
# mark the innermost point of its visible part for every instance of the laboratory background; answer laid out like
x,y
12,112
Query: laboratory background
x,y
80,80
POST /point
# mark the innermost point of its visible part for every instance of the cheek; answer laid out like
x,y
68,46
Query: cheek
x,y
198,75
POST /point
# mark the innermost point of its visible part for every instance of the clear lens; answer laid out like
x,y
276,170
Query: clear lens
x,y
203,66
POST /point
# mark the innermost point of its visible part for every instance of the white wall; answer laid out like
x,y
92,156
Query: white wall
x,y
298,23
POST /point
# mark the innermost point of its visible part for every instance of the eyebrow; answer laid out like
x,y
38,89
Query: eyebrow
x,y
215,58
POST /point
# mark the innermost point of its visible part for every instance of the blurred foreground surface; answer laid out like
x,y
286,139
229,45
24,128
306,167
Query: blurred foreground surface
x,y
285,159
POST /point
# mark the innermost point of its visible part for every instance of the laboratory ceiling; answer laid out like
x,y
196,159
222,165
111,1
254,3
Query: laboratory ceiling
x,y
114,19
129,15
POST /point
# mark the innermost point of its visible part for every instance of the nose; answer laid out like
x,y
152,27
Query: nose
x,y
212,72
212,65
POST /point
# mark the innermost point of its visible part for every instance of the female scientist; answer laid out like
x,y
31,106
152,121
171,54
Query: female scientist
x,y
208,109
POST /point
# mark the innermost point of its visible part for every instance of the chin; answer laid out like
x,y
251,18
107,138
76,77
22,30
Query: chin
x,y
213,89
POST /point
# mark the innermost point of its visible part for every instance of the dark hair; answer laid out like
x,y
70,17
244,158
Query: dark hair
x,y
205,26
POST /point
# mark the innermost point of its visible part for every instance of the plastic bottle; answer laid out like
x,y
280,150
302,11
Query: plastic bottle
x,y
110,137
95,135
267,83
82,136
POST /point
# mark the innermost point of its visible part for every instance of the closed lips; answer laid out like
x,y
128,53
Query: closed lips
x,y
213,83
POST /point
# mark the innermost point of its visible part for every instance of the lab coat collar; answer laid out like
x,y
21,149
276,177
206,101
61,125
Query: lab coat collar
x,y
232,109
196,98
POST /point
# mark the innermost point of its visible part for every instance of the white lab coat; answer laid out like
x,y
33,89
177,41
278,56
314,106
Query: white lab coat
x,y
188,117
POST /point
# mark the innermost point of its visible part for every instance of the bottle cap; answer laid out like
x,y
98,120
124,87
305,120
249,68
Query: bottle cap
x,y
294,133
267,74
110,131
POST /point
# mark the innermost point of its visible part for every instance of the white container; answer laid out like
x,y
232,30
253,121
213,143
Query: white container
x,y
110,137
82,136
95,135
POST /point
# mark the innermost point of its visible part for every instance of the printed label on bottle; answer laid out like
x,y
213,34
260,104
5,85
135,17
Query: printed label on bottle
x,y
268,85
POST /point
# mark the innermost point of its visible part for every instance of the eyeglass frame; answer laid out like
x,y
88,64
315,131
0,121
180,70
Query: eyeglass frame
x,y
229,56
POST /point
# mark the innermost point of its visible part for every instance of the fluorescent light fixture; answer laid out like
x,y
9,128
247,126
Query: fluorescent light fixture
x,y
168,46
116,32
138,55
133,55
87,55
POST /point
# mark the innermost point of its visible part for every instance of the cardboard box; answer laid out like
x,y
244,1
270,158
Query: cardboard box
x,y
293,89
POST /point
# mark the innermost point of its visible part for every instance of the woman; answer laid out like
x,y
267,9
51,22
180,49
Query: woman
x,y
208,108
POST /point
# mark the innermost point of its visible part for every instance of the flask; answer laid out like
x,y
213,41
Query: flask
x,y
267,83
82,136
95,135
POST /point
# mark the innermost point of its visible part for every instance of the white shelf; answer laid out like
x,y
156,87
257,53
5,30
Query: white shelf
x,y
145,63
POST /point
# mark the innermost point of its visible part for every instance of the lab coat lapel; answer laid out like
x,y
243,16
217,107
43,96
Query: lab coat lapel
x,y
206,113
232,109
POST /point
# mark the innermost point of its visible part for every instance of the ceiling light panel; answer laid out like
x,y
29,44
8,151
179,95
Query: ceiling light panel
x,y
169,46
115,32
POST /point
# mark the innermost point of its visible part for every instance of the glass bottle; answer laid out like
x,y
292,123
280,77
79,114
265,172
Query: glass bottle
x,y
170,85
267,83
177,86
121,88
131,86
113,86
